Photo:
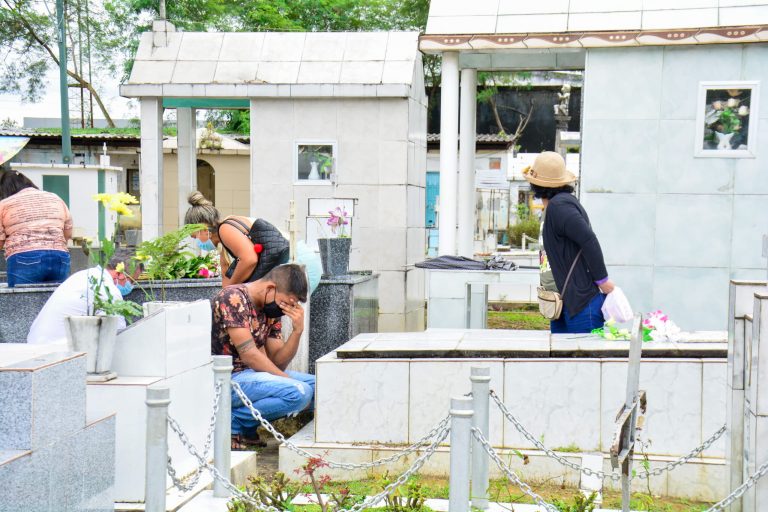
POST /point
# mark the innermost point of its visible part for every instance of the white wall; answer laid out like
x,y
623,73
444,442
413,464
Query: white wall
x,y
674,228
83,185
381,162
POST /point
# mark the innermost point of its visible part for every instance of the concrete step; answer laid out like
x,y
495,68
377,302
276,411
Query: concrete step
x,y
244,464
43,396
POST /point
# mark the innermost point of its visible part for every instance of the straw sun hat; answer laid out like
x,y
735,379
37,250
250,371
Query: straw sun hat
x,y
548,170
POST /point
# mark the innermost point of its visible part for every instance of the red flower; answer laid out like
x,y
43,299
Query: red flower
x,y
204,272
258,248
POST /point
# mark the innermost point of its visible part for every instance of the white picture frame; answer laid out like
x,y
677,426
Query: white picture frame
x,y
301,174
711,104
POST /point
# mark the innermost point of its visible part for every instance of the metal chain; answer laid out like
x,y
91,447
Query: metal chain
x,y
602,474
684,459
740,490
367,503
413,448
191,482
549,453
509,473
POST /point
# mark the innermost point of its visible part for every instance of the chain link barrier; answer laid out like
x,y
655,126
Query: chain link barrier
x,y
549,453
511,475
684,459
364,505
740,490
186,484
413,448
602,474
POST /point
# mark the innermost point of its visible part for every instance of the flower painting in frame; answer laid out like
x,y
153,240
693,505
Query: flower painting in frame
x,y
727,119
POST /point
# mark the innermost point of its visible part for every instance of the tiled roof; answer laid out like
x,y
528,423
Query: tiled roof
x,y
95,136
488,138
242,64
591,23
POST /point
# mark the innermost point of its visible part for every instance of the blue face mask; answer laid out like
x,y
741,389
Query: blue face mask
x,y
125,289
206,246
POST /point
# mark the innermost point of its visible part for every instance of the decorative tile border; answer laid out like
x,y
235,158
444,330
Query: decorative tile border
x,y
747,34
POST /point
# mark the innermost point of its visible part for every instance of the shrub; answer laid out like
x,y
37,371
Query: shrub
x,y
528,225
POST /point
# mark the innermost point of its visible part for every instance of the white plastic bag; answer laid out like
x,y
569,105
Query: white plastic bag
x,y
616,306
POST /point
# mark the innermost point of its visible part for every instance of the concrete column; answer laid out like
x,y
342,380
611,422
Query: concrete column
x,y
449,139
151,167
254,161
756,417
466,180
222,435
187,144
481,382
461,438
158,399
741,303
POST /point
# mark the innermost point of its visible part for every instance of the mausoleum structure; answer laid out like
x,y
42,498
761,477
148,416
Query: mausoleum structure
x,y
336,118
674,129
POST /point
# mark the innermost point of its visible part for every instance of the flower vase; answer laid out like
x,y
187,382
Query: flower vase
x,y
314,174
724,140
334,254
97,337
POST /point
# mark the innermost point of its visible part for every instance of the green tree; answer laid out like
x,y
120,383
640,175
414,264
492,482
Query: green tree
x,y
28,42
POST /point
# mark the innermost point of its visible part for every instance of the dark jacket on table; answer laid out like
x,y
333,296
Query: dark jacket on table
x,y
566,231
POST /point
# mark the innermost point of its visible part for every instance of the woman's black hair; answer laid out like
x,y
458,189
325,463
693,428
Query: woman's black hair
x,y
540,192
12,182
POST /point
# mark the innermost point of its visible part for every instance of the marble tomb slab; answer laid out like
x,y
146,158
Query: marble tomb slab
x,y
488,343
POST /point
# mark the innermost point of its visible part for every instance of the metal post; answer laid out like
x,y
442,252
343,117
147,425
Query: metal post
x,y
158,399
481,379
66,139
222,434
461,426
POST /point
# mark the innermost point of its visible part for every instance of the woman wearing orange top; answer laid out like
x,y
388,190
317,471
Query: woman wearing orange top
x,y
34,228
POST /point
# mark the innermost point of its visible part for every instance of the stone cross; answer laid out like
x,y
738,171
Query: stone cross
x,y
623,445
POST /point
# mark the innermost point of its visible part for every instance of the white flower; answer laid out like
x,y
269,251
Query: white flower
x,y
743,110
732,103
717,105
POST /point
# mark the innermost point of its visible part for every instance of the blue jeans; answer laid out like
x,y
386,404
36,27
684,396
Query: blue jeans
x,y
273,396
38,267
588,318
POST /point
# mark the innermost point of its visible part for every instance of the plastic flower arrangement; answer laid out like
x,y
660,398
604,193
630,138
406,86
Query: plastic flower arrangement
x,y
656,327
338,219
661,328
103,301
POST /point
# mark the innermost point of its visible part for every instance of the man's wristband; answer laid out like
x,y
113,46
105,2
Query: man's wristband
x,y
602,281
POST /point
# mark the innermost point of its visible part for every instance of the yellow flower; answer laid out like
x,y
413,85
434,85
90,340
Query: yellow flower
x,y
125,198
120,268
105,199
121,209
141,257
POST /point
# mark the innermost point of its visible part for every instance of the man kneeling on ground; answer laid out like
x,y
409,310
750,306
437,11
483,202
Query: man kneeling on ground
x,y
246,325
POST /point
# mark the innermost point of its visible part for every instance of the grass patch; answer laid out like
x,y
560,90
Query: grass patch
x,y
503,491
571,448
518,320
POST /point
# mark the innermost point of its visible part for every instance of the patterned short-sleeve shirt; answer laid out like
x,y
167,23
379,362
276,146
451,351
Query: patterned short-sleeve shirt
x,y
232,308
33,220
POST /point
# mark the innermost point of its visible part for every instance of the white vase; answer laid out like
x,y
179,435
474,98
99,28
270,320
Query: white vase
x,y
96,336
314,174
724,140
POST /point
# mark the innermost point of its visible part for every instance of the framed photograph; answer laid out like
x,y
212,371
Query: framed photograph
x,y
725,125
314,162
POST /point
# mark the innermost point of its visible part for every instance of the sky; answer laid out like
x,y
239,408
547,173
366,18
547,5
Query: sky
x,y
12,107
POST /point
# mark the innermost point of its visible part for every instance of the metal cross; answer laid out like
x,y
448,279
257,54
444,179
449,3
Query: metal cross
x,y
623,445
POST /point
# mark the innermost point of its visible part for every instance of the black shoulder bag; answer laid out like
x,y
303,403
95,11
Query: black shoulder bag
x,y
275,248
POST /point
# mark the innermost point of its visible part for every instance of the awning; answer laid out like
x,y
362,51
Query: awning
x,y
9,146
